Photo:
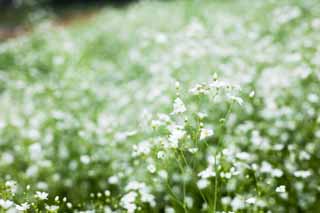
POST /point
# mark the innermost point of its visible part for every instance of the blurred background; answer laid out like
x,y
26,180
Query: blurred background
x,y
18,16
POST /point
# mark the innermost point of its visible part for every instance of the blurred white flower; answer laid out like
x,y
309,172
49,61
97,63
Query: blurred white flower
x,y
178,106
85,159
41,195
151,168
251,200
205,133
23,207
6,203
203,183
281,189
128,202
52,208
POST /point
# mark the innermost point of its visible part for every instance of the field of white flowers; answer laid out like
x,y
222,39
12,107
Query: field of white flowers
x,y
179,106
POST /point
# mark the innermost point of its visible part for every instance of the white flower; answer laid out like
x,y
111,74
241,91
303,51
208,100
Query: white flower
x,y
52,208
200,89
143,148
188,201
113,180
5,203
252,93
237,203
205,133
201,115
177,133
193,150
178,106
107,193
164,118
23,207
251,200
85,159
203,183
163,174
41,195
69,205
281,189
128,202
302,173
161,155
169,209
151,168
238,100
207,173
277,173
12,185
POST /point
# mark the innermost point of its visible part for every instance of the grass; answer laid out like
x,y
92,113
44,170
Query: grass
x,y
172,106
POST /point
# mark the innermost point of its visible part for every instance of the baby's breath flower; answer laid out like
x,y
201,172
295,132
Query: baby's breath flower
x,y
281,189
151,168
113,180
6,203
52,208
302,173
205,133
193,150
251,200
107,193
178,106
161,155
203,183
41,195
207,173
128,202
238,100
85,159
23,207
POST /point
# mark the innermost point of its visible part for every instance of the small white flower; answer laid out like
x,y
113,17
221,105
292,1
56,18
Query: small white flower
x,y
237,203
85,159
177,133
198,89
161,155
169,209
203,183
302,173
113,180
207,173
178,106
281,189
205,133
252,94
128,202
188,201
12,185
23,207
193,150
41,195
69,205
163,174
251,200
107,193
201,115
6,203
52,208
238,100
151,168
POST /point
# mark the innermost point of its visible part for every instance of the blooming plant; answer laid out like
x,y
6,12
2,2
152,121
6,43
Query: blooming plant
x,y
198,106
